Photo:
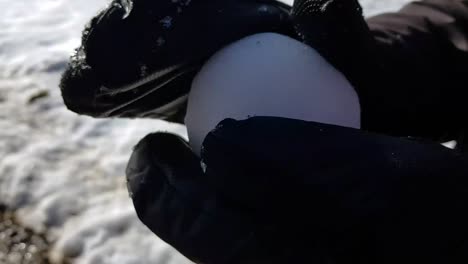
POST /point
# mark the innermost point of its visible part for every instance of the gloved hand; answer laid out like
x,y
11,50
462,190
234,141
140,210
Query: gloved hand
x,y
274,190
271,190
138,58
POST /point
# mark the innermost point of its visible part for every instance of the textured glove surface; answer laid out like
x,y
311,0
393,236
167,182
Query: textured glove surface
x,y
277,190
138,58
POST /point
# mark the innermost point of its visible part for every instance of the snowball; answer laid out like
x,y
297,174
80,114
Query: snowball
x,y
268,74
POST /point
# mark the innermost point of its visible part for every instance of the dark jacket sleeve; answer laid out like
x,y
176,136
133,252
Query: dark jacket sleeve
x,y
422,52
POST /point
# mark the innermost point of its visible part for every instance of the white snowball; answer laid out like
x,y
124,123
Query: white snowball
x,y
268,74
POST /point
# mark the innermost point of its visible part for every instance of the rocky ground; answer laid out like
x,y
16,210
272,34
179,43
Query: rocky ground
x,y
19,245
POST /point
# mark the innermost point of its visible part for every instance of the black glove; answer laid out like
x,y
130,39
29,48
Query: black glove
x,y
274,190
138,58
337,29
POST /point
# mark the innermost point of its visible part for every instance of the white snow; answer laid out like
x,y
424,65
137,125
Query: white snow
x,y
62,172
247,78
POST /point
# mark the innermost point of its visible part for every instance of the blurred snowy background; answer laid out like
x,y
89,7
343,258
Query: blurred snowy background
x,y
60,173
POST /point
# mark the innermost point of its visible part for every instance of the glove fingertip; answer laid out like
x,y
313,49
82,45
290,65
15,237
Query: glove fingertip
x,y
157,160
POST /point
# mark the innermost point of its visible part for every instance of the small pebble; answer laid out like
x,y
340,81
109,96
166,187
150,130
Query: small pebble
x,y
19,245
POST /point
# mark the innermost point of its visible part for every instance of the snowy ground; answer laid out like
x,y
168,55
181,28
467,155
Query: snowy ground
x,y
62,172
